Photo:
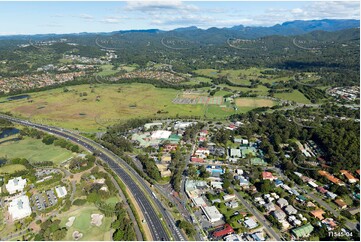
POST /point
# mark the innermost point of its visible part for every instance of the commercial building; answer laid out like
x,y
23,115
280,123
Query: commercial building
x,y
15,185
161,134
212,214
227,229
61,191
19,207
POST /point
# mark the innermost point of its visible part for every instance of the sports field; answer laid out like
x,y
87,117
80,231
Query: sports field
x,y
82,224
254,102
34,150
11,168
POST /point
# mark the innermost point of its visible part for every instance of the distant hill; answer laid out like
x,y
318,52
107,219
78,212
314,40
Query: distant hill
x,y
296,27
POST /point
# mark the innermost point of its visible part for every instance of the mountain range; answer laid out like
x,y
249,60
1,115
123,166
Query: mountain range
x,y
296,27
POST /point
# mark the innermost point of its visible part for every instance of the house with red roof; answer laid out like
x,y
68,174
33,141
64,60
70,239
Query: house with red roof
x,y
349,176
227,229
266,175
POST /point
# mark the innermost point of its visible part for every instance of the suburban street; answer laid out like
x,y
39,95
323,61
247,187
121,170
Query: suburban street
x,y
259,217
349,224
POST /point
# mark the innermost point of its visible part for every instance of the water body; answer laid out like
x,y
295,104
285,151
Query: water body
x,y
18,97
8,132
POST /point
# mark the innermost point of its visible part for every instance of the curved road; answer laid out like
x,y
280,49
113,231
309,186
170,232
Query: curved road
x,y
117,164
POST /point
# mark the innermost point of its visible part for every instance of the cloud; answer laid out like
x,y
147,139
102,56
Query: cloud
x,y
111,20
174,14
85,16
58,15
52,25
156,6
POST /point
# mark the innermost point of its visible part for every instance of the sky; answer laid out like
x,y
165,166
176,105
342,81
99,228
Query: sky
x,y
97,16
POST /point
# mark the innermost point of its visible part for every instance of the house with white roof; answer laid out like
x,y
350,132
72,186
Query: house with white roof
x,y
19,207
15,185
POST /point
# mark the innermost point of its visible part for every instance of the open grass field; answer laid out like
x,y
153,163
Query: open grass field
x,y
207,72
254,102
34,150
260,90
295,96
116,102
107,70
197,80
82,224
129,68
11,168
107,104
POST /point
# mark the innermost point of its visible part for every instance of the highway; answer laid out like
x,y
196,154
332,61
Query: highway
x,y
116,164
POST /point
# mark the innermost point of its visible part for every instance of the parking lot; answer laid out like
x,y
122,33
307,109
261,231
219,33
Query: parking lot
x,y
44,200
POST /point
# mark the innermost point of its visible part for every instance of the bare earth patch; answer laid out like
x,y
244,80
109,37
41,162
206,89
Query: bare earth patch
x,y
70,222
77,235
96,219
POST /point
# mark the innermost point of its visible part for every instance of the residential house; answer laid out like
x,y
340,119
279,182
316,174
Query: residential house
x,y
216,184
279,215
289,209
270,207
229,197
331,178
232,204
330,223
202,152
318,213
282,202
235,153
331,195
340,203
278,182
321,190
250,223
268,176
349,176
303,231
197,159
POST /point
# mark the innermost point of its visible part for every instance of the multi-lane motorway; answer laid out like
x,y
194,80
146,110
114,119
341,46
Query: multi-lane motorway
x,y
131,179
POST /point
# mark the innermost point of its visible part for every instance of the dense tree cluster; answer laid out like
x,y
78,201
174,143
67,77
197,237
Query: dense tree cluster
x,y
149,167
51,230
123,226
177,167
341,141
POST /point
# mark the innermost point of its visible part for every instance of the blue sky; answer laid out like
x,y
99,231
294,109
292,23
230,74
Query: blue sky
x,y
74,17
